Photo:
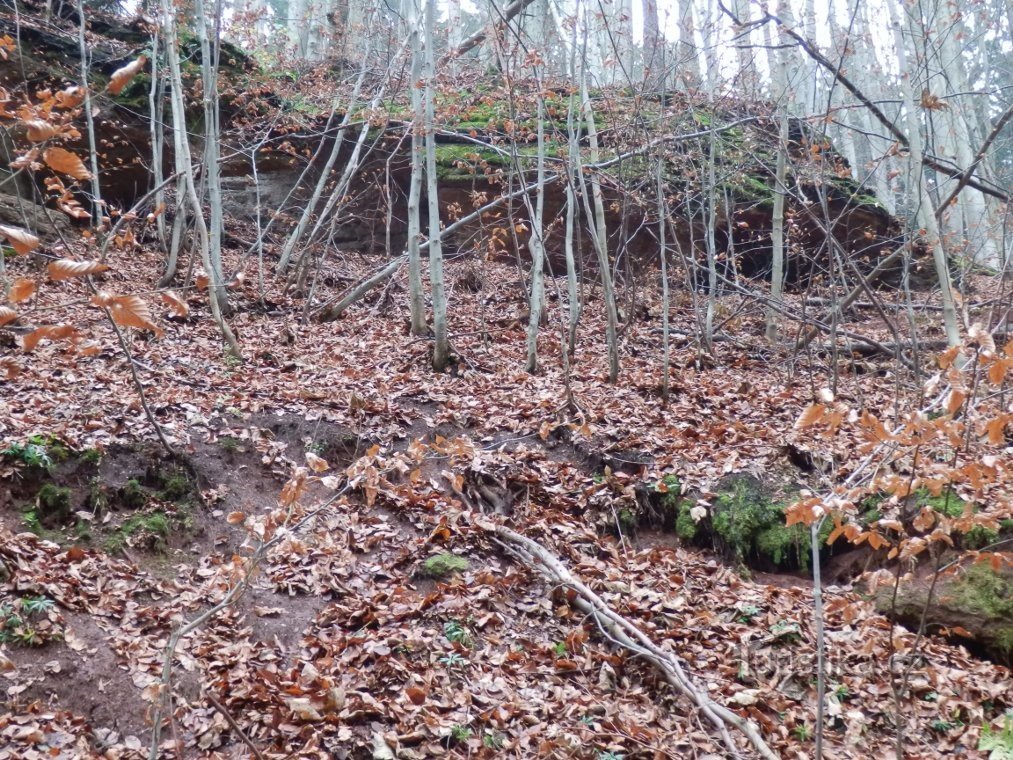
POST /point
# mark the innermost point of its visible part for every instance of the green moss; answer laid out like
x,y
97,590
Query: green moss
x,y
983,591
946,503
91,456
53,504
627,522
751,525
175,487
686,527
132,494
155,525
443,565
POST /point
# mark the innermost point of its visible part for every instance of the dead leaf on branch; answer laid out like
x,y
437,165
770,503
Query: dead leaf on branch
x,y
176,304
128,311
122,76
65,269
65,162
20,240
7,315
71,97
48,332
21,290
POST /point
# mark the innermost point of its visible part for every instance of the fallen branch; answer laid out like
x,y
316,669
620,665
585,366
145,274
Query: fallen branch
x,y
623,632
235,727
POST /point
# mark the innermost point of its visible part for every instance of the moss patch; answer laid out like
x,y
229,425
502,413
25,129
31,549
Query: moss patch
x,y
443,565
53,505
750,525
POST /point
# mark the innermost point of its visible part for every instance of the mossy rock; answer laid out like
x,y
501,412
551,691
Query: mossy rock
x,y
973,607
443,565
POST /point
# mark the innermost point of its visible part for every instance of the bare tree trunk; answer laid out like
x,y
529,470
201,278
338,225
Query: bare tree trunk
x,y
599,234
572,212
536,246
920,200
441,346
98,208
416,295
212,152
179,120
156,115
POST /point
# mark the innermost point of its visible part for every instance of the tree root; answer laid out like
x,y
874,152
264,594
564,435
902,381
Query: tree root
x,y
621,631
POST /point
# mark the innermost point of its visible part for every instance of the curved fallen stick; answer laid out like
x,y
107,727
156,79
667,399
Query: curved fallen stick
x,y
627,635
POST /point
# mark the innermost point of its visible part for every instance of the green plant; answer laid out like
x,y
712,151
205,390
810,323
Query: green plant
x,y
453,660
91,456
786,632
998,744
175,487
229,444
559,649
493,740
747,612
28,454
457,633
156,525
802,732
609,755
15,621
842,692
460,733
37,605
132,494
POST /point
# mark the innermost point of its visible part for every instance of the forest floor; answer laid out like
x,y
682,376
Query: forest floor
x,y
388,623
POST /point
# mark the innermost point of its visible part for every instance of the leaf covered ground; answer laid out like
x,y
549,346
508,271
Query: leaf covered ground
x,y
352,640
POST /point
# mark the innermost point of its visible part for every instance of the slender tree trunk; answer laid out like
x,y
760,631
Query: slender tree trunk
x,y
441,346
663,254
156,119
777,231
572,212
599,233
919,196
98,208
536,246
179,121
212,153
416,294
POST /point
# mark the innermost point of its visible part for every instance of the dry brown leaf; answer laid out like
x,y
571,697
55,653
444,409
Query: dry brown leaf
x,y
122,76
810,415
65,269
10,367
71,97
21,290
48,332
7,315
317,464
20,240
176,304
63,161
39,130
132,311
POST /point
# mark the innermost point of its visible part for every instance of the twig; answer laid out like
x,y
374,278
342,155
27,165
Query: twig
x,y
235,726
